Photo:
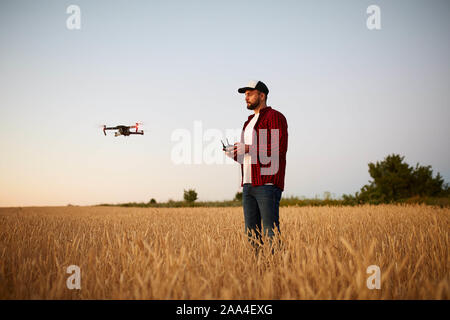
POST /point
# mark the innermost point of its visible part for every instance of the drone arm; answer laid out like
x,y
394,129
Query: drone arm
x,y
108,128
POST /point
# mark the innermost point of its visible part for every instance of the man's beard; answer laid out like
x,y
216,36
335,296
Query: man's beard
x,y
253,106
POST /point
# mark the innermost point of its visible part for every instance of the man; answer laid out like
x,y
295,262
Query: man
x,y
262,155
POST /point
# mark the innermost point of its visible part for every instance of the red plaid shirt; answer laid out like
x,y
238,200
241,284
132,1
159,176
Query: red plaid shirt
x,y
262,147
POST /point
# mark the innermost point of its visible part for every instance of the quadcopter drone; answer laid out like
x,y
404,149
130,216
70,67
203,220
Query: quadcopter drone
x,y
123,130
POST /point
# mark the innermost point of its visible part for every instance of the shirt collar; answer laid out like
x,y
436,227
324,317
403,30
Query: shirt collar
x,y
262,111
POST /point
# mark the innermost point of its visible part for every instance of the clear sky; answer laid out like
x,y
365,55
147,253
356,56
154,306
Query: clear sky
x,y
350,95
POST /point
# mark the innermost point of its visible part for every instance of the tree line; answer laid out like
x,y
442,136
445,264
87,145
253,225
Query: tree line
x,y
393,181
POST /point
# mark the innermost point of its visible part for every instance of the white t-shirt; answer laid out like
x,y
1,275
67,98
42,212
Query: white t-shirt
x,y
248,137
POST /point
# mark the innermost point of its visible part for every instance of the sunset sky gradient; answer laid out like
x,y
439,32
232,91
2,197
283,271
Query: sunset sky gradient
x,y
350,95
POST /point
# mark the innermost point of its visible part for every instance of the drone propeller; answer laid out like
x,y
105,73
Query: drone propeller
x,y
136,126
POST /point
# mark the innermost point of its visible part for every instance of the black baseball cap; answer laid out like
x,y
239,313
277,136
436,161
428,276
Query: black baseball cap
x,y
255,84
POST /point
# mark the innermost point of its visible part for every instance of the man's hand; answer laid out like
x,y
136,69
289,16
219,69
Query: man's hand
x,y
239,149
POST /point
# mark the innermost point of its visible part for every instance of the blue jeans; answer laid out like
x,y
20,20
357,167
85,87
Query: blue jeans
x,y
261,203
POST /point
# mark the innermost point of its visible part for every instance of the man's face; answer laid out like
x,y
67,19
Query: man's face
x,y
253,99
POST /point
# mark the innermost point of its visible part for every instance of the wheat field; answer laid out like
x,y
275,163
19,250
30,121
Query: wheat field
x,y
202,253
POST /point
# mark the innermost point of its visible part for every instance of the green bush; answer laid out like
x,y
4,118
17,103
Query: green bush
x,y
190,195
394,180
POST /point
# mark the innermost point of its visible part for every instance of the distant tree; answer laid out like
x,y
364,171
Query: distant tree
x,y
394,179
238,196
190,195
425,185
327,195
348,199
152,201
